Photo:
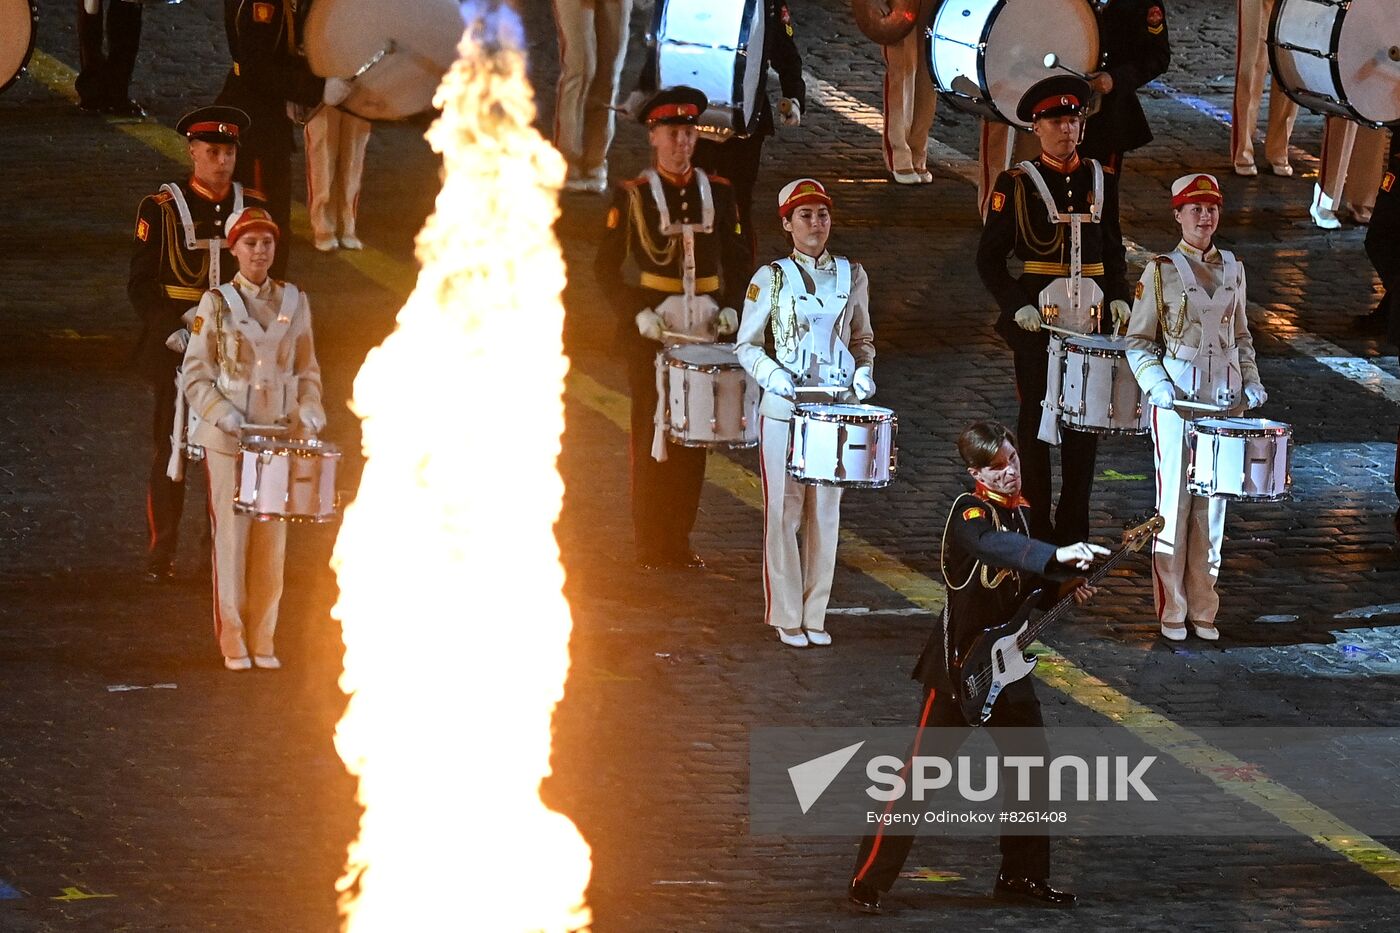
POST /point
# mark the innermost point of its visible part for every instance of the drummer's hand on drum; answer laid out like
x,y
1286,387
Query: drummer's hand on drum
x,y
789,112
336,91
781,384
1081,555
1254,395
863,385
1121,313
1163,394
230,421
727,322
649,324
312,417
1028,318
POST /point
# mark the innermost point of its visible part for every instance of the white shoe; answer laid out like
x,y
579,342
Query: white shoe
x,y
1281,169
350,241
793,641
821,639
328,244
1173,632
925,177
267,662
1206,631
1321,210
1248,171
907,177
238,664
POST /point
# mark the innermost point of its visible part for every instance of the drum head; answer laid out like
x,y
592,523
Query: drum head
x,y
703,354
1104,343
834,410
1370,79
1023,32
343,36
1255,426
17,18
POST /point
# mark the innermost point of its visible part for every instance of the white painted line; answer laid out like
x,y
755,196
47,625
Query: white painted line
x,y
866,611
1370,612
1276,619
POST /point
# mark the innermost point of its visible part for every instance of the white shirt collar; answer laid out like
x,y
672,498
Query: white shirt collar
x,y
1211,255
263,291
824,262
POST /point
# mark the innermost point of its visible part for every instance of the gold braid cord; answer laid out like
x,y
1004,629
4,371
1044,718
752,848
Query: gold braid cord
x,y
1170,332
1054,245
990,581
185,276
222,311
658,255
783,335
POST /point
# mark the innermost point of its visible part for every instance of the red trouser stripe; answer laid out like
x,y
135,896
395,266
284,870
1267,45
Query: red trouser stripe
x,y
904,774
214,551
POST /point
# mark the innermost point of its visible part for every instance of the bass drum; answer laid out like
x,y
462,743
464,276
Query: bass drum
x,y
714,46
984,54
1341,58
396,52
19,21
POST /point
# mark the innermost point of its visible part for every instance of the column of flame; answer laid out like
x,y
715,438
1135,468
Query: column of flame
x,y
456,630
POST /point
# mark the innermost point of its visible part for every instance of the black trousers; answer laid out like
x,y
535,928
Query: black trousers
x,y
104,73
165,498
882,855
265,163
737,160
1078,451
665,496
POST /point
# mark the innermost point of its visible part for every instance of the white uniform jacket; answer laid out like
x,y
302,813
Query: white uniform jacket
x,y
251,353
1189,326
818,313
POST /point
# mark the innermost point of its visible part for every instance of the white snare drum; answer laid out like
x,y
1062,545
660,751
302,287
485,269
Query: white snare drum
x,y
396,52
714,46
1098,393
984,54
710,400
1339,57
18,22
286,480
1239,458
842,445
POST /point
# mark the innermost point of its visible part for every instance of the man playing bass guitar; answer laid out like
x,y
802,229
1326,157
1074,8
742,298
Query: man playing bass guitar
x,y
990,563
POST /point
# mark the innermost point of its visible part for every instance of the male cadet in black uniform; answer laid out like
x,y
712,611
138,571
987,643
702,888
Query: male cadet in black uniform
x,y
104,74
1134,49
737,157
269,71
990,564
178,242
1019,223
680,230
1383,246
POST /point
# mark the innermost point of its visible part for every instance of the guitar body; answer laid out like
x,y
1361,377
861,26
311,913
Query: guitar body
x,y
993,662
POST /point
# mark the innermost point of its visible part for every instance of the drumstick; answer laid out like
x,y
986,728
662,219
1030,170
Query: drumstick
x,y
684,338
1061,330
1200,406
827,390
1052,60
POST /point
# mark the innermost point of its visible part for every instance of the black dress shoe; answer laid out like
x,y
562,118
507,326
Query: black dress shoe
x,y
125,108
1031,891
159,570
690,561
92,106
863,897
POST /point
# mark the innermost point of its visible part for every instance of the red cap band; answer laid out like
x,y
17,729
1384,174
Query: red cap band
x,y
667,111
1061,100
227,129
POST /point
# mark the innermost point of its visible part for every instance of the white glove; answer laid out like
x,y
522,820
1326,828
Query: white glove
x,y
649,324
229,422
312,416
178,340
633,105
1163,394
1028,318
728,322
789,112
863,384
336,91
1121,313
1254,395
781,384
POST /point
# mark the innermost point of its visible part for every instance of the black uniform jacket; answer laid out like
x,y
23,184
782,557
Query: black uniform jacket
x,y
1383,236
985,542
779,51
165,279
267,69
1135,49
639,268
1018,224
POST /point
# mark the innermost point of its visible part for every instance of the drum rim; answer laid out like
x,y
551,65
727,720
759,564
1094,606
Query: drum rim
x,y
1194,487
320,518
29,51
1200,426
1123,432
845,484
312,447
1310,100
812,412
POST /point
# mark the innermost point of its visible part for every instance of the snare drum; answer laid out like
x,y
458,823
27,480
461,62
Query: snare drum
x,y
19,20
1239,458
711,400
286,479
842,445
1098,394
396,52
714,46
984,54
1339,57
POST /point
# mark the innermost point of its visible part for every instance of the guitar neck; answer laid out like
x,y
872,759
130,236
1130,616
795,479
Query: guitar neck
x,y
1051,616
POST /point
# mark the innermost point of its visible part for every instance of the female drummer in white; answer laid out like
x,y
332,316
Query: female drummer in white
x,y
1188,339
817,307
250,360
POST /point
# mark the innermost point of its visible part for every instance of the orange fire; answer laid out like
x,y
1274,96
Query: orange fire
x,y
455,626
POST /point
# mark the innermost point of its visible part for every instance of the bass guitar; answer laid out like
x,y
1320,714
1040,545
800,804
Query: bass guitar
x,y
997,657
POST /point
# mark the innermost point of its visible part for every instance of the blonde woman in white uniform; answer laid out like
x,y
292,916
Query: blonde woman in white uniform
x,y
817,307
1188,338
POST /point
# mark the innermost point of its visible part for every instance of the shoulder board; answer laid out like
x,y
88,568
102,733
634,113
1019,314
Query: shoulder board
x,y
253,193
1162,260
718,180
637,182
160,197
1015,172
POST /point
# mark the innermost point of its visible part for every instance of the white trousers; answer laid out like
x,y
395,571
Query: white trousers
x,y
335,163
1001,145
592,47
1251,64
248,559
910,100
1353,161
801,527
1186,555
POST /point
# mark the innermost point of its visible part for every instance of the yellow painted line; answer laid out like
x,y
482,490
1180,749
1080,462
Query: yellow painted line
x,y
920,590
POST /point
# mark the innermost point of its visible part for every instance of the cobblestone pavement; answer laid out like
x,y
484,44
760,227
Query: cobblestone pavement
x,y
212,802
